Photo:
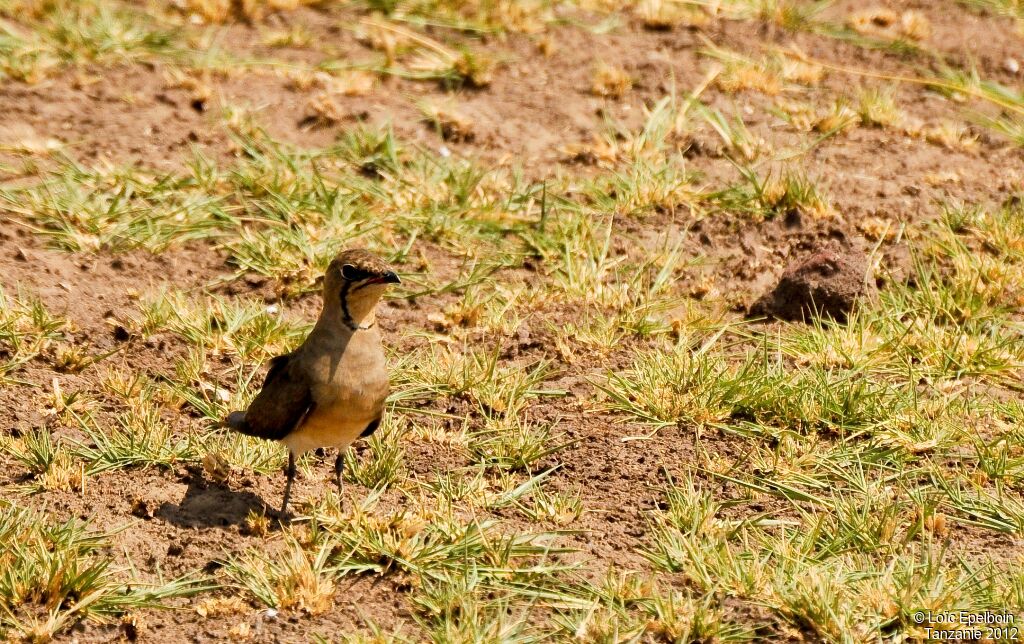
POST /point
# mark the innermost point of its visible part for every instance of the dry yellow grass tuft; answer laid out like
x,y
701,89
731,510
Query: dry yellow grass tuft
x,y
346,83
741,75
596,152
610,81
880,22
257,523
666,14
878,108
875,228
221,11
323,111
451,124
949,134
839,118
220,606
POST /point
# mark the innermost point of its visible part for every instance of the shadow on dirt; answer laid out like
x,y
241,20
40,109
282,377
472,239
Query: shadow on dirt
x,y
210,504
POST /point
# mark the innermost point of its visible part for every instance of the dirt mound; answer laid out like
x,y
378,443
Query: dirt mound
x,y
826,283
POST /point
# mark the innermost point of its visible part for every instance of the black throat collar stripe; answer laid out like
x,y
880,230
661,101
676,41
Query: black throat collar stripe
x,y
346,316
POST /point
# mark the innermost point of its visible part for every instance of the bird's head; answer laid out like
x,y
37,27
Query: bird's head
x,y
353,283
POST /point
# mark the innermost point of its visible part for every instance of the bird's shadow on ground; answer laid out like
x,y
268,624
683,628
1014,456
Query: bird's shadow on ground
x,y
211,504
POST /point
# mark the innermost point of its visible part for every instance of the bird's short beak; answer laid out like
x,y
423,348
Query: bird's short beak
x,y
391,277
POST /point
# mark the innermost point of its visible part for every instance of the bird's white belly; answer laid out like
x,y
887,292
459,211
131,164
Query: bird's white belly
x,y
336,428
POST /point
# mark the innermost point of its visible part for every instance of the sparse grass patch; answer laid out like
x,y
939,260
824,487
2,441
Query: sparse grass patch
x,y
767,196
514,444
815,584
83,209
38,38
137,437
567,348
432,545
1009,8
384,463
56,574
298,578
499,391
50,464
878,108
27,330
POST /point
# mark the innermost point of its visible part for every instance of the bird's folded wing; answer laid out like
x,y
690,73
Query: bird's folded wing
x,y
285,400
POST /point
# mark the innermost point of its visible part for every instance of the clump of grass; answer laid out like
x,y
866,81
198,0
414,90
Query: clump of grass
x,y
667,388
795,191
741,74
464,609
610,81
768,75
39,38
530,16
81,209
1009,127
1009,8
497,390
788,14
248,330
878,108
431,544
739,141
884,23
222,11
639,606
796,69
513,444
768,196
837,118
50,465
384,462
450,124
665,14
559,508
137,437
431,60
56,575
27,330
946,133
298,578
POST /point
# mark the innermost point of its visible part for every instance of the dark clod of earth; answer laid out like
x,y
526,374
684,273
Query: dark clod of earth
x,y
827,283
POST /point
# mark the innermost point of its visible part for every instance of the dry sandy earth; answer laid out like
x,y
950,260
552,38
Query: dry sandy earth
x,y
175,520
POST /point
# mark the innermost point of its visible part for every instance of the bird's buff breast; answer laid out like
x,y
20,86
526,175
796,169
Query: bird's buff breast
x,y
330,428
348,397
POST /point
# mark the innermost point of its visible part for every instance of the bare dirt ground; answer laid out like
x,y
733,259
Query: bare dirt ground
x,y
537,115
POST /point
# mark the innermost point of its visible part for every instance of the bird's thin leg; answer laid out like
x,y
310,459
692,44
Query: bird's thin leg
x,y
339,466
290,472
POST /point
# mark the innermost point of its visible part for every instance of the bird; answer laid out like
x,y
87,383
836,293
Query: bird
x,y
330,391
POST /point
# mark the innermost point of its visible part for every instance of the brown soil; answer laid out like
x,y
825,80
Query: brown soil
x,y
180,521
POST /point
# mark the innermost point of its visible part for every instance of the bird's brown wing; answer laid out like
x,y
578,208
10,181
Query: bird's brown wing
x,y
285,400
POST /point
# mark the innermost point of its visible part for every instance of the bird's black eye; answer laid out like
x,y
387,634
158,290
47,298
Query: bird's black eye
x,y
351,273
